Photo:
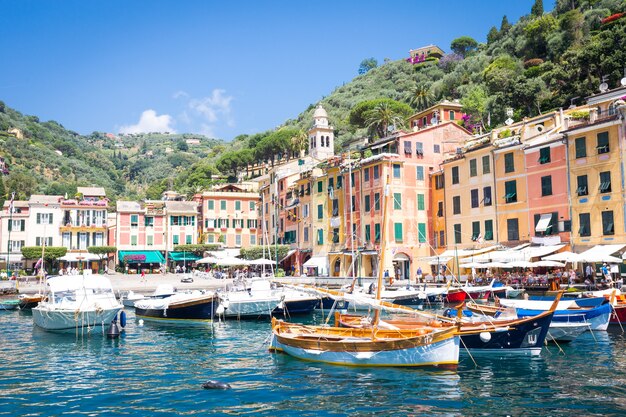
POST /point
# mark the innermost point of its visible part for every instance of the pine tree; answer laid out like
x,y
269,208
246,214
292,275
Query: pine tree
x,y
505,25
493,35
537,9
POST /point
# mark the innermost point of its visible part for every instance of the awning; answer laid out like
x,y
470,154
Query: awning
x,y
543,223
369,252
317,262
12,258
79,257
183,256
291,252
141,257
401,257
602,253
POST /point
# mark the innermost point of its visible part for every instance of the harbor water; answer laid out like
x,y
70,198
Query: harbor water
x,y
156,370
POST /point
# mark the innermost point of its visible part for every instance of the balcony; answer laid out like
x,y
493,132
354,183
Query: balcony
x,y
68,227
84,203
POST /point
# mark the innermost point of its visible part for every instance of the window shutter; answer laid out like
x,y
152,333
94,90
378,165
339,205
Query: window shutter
x,y
22,224
38,218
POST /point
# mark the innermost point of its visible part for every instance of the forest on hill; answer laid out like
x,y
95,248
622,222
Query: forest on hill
x,y
544,61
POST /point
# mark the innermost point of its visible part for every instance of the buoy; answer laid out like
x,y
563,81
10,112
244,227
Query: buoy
x,y
216,385
140,323
113,331
220,310
123,319
485,336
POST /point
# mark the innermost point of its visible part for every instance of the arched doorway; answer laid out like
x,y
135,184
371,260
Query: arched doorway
x,y
402,266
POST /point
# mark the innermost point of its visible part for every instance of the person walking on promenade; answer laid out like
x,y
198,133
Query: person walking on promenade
x,y
143,276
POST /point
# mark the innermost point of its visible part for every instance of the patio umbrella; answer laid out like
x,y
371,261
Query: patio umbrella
x,y
565,256
497,265
521,264
548,263
231,262
208,260
261,261
474,265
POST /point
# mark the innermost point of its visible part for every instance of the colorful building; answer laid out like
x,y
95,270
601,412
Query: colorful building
x,y
444,111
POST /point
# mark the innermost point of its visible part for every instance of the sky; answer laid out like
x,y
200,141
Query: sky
x,y
219,68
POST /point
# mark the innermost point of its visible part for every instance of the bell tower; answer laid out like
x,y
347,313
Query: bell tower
x,y
321,136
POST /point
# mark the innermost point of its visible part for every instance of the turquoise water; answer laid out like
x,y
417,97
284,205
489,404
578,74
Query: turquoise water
x,y
158,371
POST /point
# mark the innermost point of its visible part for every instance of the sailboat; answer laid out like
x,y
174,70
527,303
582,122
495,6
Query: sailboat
x,y
375,346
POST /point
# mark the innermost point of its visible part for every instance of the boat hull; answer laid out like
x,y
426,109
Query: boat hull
x,y
199,310
250,308
326,303
456,296
59,320
619,315
300,306
565,332
444,353
9,305
597,318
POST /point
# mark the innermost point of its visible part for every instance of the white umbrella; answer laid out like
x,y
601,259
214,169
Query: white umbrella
x,y
565,256
497,265
548,263
208,260
261,261
521,264
474,265
231,262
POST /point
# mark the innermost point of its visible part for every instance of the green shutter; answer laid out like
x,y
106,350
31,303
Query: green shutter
x,y
397,228
367,203
320,237
367,233
377,232
421,232
397,201
22,225
420,202
211,205
237,205
320,211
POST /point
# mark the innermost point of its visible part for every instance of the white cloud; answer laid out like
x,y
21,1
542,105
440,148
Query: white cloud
x,y
215,108
150,122
179,94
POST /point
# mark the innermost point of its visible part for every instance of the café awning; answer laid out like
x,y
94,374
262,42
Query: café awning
x,y
141,257
320,262
183,256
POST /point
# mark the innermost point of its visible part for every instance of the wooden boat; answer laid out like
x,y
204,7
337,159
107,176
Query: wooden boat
x,y
596,317
375,346
9,304
455,295
180,308
31,301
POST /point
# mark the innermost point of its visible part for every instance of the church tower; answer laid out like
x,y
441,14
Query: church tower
x,y
321,136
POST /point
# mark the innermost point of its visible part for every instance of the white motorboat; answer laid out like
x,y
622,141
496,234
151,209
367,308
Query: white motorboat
x,y
251,299
163,290
566,331
76,302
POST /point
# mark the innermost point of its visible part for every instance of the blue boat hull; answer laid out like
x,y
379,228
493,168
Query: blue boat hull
x,y
296,307
597,317
204,311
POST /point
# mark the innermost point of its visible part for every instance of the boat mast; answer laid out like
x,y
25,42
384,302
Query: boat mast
x,y
383,247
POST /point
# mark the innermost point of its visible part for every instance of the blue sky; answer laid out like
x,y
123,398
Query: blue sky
x,y
221,68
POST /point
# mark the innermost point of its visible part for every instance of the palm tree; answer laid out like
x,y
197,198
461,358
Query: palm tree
x,y
421,97
381,118
299,141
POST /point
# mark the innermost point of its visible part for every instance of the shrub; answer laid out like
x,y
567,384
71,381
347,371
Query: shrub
x,y
533,62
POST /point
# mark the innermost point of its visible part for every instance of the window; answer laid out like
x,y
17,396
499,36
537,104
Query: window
x,y
306,234
584,219
546,185
421,232
148,221
368,233
608,228
305,211
353,205
367,204
603,142
582,185
15,245
486,165
487,196
67,240
605,182
512,228
440,209
211,205
376,173
419,149
253,239
366,174
473,167
44,218
456,205
509,162
339,181
41,241
238,205
336,235
423,121
581,147
488,229
352,179
377,232
134,220
335,207
150,240
133,240
544,155
397,232
211,239
420,202
436,148
407,147
320,186
419,173
320,236
175,239
546,229
397,201
457,233
188,239
475,231
237,240
510,193
455,175
451,114
439,182
252,206
17,225
474,197
377,201
396,170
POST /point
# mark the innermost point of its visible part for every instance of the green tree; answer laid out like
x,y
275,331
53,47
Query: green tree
x,y
505,26
359,113
229,163
463,45
156,190
493,35
51,253
475,103
383,118
537,9
367,64
3,192
23,184
299,142
421,97
182,145
102,251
